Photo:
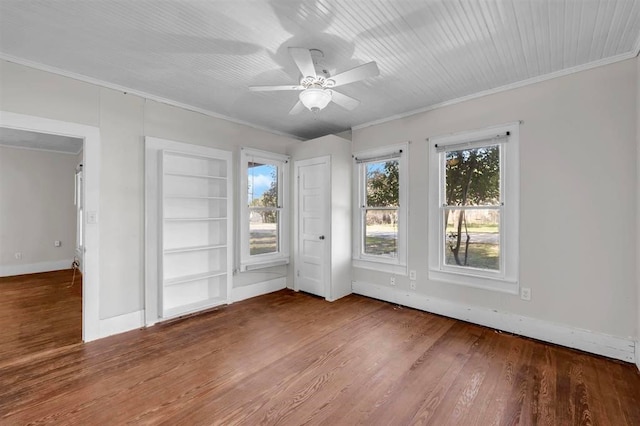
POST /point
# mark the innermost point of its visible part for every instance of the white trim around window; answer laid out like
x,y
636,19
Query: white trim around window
x,y
395,263
504,276
279,255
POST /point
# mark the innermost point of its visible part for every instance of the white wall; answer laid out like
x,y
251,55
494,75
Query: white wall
x,y
580,150
339,149
638,211
36,208
124,120
578,196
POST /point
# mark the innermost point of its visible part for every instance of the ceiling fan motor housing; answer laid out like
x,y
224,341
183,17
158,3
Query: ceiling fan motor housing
x,y
317,81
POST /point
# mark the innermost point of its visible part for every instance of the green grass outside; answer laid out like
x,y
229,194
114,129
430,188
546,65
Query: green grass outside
x,y
488,229
381,246
481,255
262,243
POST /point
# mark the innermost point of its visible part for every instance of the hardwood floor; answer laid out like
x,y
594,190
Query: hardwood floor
x,y
39,312
290,358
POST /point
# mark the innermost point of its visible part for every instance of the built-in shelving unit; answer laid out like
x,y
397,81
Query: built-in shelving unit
x,y
188,228
195,228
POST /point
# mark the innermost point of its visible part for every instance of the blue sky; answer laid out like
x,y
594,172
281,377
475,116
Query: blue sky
x,y
260,180
375,167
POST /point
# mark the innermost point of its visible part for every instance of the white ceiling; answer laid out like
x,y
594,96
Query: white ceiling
x,y
40,141
205,54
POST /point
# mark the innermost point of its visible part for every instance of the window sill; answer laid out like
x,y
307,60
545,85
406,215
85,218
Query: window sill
x,y
393,268
265,264
475,281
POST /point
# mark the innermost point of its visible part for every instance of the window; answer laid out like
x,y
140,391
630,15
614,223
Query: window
x,y
473,213
264,217
380,217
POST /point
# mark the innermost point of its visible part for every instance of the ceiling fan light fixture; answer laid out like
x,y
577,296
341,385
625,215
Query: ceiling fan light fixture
x,y
315,99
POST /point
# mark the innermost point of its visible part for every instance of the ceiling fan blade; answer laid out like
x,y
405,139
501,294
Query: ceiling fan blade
x,y
304,61
274,88
356,74
297,108
346,102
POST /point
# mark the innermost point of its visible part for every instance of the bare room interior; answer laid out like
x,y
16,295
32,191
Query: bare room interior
x,y
320,212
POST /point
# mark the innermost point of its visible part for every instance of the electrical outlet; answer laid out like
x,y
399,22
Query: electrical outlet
x,y
57,243
412,285
412,275
18,255
525,293
392,281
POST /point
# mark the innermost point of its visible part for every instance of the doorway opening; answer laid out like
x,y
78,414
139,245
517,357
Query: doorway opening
x,y
40,288
87,247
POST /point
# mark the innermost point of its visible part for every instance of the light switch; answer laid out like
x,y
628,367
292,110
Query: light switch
x,y
92,217
57,243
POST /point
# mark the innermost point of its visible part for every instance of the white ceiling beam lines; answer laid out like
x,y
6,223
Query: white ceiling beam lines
x,y
389,59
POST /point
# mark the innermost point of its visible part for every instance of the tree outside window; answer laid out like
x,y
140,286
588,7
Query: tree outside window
x,y
381,208
472,207
263,208
264,187
380,218
473,213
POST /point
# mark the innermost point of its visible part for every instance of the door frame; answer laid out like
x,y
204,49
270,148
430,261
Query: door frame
x,y
326,270
91,165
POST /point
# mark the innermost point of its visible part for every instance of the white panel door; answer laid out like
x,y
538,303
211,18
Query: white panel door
x,y
313,210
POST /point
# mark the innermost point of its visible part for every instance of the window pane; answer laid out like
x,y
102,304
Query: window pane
x,y
263,232
472,238
382,183
473,176
381,232
263,185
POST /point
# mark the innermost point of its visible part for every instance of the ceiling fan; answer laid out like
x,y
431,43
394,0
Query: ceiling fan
x,y
317,90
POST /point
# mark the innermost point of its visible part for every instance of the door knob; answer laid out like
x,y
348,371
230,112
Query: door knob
x,y
321,237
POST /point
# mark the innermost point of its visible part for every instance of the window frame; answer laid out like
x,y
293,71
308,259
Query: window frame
x,y
396,265
507,278
280,257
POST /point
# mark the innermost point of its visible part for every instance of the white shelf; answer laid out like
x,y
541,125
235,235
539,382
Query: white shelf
x,y
194,193
191,175
194,307
194,277
194,248
175,153
193,197
192,219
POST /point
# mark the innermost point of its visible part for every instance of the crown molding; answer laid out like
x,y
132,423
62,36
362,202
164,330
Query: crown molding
x,y
516,85
149,96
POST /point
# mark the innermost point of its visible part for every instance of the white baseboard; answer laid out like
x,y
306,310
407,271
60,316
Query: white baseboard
x,y
121,323
34,268
638,354
258,289
564,335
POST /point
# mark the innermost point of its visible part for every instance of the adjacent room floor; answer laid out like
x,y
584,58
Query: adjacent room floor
x,y
290,358
39,312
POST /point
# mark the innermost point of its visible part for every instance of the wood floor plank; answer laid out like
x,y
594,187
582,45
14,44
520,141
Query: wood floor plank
x,y
363,345
429,376
367,384
290,358
39,312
